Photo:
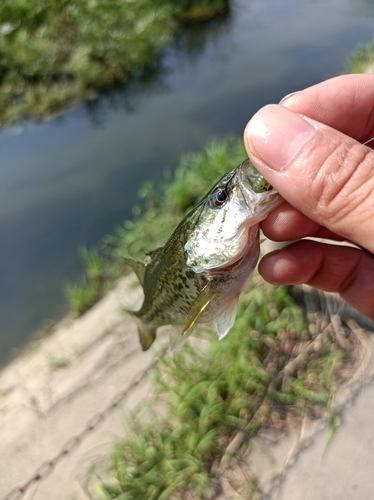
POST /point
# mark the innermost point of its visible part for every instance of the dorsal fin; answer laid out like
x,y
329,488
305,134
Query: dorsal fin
x,y
138,267
153,254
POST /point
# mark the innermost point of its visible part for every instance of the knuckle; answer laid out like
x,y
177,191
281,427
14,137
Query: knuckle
x,y
344,182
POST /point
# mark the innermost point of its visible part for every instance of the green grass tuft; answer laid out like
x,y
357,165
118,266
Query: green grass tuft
x,y
232,386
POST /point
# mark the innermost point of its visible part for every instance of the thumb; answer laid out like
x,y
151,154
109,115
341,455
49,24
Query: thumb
x,y
321,172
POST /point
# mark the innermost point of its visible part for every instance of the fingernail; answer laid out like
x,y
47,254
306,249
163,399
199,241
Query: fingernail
x,y
276,135
289,96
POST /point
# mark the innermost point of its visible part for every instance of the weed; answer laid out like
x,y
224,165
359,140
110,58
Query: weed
x,y
235,385
58,363
80,298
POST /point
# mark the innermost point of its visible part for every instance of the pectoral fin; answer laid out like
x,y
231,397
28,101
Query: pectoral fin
x,y
198,306
138,267
226,319
179,334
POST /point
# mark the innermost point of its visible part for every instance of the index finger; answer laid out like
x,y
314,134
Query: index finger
x,y
285,223
345,103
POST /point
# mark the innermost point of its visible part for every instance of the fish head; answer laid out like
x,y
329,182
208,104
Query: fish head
x,y
225,224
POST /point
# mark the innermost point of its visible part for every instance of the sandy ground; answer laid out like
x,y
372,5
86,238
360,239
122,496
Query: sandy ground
x,y
50,395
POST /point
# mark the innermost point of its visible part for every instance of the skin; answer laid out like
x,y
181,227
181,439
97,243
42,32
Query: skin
x,y
309,147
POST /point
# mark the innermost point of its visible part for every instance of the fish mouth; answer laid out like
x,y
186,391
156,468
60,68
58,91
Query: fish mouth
x,y
255,207
260,204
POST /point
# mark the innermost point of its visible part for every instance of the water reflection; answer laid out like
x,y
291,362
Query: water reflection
x,y
363,7
129,96
187,45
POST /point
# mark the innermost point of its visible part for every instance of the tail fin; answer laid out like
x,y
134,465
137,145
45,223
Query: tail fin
x,y
146,335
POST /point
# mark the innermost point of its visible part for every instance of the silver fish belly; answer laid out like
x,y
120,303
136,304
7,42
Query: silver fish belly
x,y
198,275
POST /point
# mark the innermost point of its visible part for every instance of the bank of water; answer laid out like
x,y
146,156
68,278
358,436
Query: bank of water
x,y
67,182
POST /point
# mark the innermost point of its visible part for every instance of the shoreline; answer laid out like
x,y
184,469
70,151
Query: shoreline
x,y
48,396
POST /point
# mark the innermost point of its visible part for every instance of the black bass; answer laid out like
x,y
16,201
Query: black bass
x,y
198,275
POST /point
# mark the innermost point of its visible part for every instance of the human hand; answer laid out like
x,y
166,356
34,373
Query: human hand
x,y
319,165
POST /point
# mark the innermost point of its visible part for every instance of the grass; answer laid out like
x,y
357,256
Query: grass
x,y
94,284
58,363
230,389
277,364
56,53
361,60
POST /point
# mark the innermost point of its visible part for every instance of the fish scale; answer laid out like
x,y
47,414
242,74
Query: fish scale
x,y
200,272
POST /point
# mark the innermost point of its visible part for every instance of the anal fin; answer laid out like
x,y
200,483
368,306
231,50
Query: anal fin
x,y
176,338
226,319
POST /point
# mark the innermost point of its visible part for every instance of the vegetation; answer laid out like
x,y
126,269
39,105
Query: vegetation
x,y
96,282
272,367
277,363
362,59
55,53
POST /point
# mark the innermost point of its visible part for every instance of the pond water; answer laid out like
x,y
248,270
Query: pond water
x,y
67,182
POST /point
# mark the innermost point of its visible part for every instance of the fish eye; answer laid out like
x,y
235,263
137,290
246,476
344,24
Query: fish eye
x,y
220,196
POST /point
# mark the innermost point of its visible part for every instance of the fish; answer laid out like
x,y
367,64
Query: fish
x,y
200,272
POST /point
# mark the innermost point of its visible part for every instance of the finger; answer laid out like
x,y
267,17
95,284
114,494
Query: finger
x,y
345,103
285,223
345,270
324,174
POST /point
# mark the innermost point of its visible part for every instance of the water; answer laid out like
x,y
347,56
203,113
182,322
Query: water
x,y
67,182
